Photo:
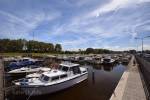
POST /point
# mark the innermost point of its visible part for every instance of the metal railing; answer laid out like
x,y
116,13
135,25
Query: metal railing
x,y
144,67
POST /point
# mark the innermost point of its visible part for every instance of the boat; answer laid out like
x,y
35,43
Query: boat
x,y
23,62
107,60
26,70
67,75
38,73
125,61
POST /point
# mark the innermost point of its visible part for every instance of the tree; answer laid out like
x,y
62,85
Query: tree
x,y
89,50
58,48
7,45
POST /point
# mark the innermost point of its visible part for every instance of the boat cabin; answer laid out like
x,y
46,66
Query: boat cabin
x,y
69,67
48,78
63,72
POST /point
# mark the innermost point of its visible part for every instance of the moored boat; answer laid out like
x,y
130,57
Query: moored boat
x,y
107,60
67,75
38,73
26,70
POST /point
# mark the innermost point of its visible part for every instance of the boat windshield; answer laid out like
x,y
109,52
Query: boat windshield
x,y
46,78
63,68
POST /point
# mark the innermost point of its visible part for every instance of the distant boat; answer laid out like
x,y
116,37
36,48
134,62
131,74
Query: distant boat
x,y
67,75
125,61
107,60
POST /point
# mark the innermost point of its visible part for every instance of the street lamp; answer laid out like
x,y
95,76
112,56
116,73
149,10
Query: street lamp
x,y
142,38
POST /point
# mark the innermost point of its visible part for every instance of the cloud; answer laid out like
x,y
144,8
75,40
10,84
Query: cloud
x,y
78,23
20,26
114,5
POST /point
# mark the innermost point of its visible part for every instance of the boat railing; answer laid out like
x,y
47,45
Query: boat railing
x,y
13,90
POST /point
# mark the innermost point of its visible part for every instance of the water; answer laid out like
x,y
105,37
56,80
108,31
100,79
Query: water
x,y
100,84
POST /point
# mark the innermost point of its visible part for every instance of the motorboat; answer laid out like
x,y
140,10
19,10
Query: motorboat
x,y
38,73
23,62
107,60
67,75
26,70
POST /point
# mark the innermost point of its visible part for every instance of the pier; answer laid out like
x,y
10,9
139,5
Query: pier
x,y
130,86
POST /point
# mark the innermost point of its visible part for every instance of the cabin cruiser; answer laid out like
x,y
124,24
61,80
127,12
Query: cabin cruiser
x,y
125,60
38,73
67,75
27,70
23,62
107,60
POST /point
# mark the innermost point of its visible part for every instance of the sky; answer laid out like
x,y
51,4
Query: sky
x,y
78,24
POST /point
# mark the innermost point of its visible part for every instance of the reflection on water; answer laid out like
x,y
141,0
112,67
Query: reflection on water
x,y
100,84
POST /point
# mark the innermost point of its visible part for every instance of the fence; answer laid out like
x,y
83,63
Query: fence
x,y
144,67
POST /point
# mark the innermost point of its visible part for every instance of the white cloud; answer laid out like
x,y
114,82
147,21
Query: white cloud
x,y
15,26
114,5
108,19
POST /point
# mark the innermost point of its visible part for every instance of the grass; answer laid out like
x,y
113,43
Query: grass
x,y
22,54
25,54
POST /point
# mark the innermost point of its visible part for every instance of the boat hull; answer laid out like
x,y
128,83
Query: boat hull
x,y
43,90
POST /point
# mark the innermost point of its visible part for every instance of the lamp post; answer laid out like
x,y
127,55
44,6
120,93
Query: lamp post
x,y
142,38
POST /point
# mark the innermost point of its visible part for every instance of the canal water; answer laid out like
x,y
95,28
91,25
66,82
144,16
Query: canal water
x,y
100,84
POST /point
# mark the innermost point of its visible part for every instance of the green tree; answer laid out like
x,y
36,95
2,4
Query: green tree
x,y
89,50
58,48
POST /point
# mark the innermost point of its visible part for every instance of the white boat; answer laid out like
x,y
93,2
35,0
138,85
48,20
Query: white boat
x,y
38,73
27,70
67,75
107,60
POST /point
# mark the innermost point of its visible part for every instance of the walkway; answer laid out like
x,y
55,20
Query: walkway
x,y
130,85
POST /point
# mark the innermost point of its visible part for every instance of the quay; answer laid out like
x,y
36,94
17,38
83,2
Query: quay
x,y
130,86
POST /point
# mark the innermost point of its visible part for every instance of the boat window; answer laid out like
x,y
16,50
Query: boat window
x,y
84,71
76,70
63,76
107,60
25,60
64,68
55,78
42,76
46,78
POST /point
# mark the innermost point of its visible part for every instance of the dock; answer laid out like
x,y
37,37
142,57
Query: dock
x,y
1,80
130,86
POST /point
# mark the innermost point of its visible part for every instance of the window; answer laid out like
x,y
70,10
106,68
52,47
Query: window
x,y
84,71
25,60
42,76
76,70
46,78
55,78
64,68
63,76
